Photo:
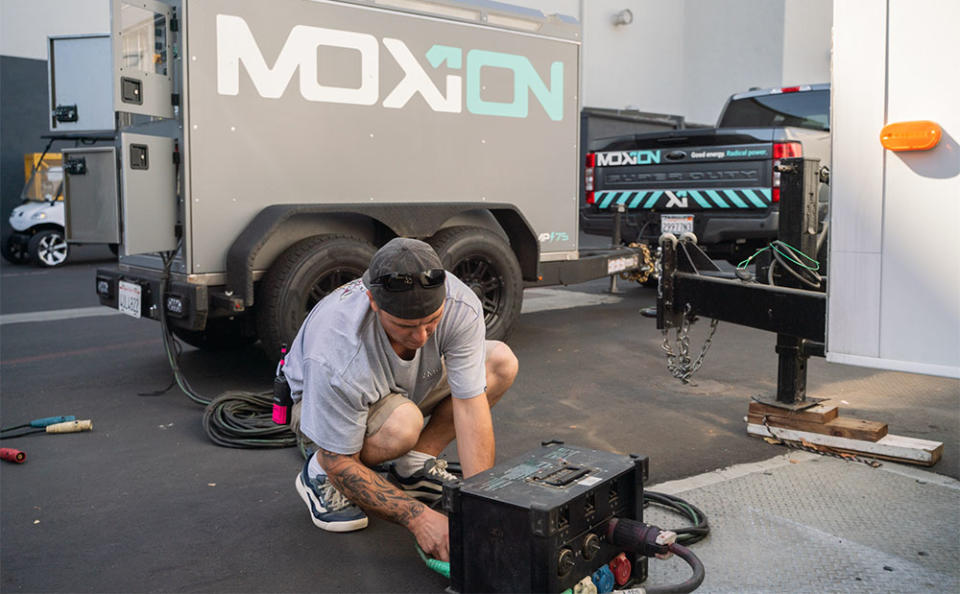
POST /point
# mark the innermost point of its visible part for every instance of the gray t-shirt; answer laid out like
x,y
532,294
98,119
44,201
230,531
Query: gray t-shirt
x,y
341,362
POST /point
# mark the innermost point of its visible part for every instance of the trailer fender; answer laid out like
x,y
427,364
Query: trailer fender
x,y
278,226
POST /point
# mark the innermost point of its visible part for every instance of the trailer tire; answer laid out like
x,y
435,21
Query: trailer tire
x,y
299,278
484,261
220,334
48,248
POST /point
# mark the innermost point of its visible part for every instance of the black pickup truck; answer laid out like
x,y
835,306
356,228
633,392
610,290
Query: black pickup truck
x,y
718,183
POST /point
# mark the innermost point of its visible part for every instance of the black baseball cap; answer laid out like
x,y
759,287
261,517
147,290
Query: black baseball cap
x,y
406,279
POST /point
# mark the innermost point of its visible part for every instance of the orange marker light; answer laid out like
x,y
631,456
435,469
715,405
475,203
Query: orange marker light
x,y
921,135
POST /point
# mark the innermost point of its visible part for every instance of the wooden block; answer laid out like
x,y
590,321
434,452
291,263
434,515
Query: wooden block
x,y
820,413
891,447
839,427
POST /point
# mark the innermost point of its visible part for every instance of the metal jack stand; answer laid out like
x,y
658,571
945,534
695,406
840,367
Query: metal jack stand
x,y
692,285
617,240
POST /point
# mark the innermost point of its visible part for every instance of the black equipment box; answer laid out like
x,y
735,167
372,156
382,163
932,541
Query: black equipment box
x,y
538,523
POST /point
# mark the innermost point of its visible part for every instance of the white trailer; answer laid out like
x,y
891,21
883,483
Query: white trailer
x,y
894,290
266,149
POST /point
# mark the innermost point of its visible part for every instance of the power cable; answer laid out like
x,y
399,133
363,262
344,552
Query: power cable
x,y
790,258
688,534
234,419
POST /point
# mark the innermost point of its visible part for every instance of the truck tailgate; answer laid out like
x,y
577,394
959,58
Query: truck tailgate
x,y
687,179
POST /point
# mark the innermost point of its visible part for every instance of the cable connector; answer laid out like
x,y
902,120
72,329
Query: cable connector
x,y
71,426
41,423
646,539
585,586
51,420
12,455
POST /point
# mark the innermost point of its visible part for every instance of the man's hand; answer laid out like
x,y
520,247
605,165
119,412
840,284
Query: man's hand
x,y
376,495
432,530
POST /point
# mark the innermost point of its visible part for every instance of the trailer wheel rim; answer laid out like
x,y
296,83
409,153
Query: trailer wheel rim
x,y
482,277
328,283
52,249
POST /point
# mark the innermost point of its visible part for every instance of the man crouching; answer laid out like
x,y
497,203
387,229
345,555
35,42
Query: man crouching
x,y
374,359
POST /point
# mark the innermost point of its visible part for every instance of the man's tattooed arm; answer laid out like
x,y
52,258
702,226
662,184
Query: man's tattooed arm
x,y
368,489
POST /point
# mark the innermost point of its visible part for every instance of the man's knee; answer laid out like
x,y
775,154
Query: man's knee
x,y
401,429
502,367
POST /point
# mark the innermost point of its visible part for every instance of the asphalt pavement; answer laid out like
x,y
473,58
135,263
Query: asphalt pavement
x,y
145,503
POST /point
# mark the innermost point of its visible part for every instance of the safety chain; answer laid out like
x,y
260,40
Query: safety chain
x,y
821,450
678,362
648,267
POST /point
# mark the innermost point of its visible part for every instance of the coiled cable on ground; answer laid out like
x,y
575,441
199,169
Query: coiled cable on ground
x,y
243,420
234,419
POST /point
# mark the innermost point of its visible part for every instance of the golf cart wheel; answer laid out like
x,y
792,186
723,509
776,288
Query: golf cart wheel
x,y
14,250
48,248
299,278
484,261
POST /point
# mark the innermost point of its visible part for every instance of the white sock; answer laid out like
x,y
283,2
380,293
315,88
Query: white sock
x,y
410,462
314,468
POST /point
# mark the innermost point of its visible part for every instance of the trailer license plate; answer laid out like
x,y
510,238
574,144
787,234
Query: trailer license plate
x,y
676,224
128,298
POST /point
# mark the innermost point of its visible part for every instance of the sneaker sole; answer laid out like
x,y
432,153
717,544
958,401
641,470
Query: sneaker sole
x,y
328,526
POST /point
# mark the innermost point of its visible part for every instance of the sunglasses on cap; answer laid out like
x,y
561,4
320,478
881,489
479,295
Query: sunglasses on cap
x,y
398,282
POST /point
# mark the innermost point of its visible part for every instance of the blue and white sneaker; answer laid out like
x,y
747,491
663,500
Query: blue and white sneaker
x,y
329,509
426,484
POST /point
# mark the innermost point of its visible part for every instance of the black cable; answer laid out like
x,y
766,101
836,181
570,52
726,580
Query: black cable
x,y
779,257
244,420
22,433
688,534
688,586
234,419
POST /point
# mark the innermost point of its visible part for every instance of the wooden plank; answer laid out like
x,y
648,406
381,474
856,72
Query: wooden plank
x,y
820,413
892,447
840,427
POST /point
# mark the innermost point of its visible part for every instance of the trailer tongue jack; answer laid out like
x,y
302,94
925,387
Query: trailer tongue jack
x,y
692,285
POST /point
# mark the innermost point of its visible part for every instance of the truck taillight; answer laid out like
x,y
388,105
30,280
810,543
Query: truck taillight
x,y
786,150
782,150
588,176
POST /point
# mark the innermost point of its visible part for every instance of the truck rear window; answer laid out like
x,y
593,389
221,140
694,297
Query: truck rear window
x,y
806,109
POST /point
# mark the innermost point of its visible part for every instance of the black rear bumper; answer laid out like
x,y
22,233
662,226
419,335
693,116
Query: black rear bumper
x,y
194,298
713,229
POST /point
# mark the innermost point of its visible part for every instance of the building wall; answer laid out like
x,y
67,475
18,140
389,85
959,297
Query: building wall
x,y
807,41
686,57
729,47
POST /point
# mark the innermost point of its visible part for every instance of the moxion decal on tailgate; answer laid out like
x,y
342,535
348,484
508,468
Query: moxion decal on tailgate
x,y
615,158
236,44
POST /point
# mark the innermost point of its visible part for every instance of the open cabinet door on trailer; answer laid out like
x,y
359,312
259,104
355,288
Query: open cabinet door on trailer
x,y
894,289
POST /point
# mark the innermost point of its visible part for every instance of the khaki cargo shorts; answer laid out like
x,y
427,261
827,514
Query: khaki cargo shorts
x,y
380,410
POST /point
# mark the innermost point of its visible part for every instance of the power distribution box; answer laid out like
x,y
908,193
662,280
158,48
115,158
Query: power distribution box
x,y
90,195
538,523
78,70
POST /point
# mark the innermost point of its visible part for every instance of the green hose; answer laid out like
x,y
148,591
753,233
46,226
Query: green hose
x,y
441,567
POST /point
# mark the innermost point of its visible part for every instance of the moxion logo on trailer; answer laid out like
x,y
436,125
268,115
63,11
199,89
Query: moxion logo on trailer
x,y
236,45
